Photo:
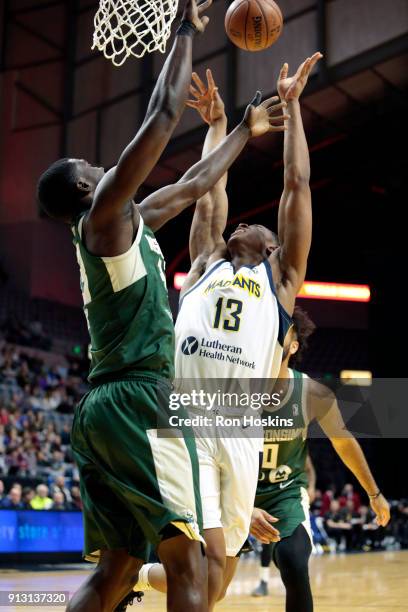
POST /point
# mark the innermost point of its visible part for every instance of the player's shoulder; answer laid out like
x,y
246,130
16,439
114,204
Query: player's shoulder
x,y
317,389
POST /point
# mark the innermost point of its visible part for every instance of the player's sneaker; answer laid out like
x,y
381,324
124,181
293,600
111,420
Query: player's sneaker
x,y
128,600
261,590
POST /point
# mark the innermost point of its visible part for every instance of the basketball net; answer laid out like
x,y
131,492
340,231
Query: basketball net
x,y
132,27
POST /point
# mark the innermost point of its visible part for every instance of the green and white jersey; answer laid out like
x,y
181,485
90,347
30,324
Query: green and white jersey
x,y
127,309
285,450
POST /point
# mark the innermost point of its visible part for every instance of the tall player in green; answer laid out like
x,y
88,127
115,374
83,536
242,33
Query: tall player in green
x,y
281,513
130,476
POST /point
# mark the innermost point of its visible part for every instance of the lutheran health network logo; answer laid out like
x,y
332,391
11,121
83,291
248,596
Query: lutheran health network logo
x,y
189,346
214,349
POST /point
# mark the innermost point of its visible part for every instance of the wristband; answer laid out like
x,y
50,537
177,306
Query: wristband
x,y
374,496
186,28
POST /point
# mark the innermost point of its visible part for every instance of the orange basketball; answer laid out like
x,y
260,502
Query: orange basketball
x,y
253,25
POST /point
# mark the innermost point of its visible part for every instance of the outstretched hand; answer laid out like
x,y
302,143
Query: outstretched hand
x,y
290,88
208,101
382,510
261,527
193,11
260,118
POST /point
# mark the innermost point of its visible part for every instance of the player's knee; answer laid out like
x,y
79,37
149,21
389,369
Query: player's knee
x,y
186,570
216,558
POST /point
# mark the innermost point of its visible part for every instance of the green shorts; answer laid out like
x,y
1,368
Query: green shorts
x,y
290,506
134,481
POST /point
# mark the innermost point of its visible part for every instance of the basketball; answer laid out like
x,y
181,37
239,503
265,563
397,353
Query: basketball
x,y
253,25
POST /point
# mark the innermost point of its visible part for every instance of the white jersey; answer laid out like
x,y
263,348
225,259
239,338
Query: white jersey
x,y
231,325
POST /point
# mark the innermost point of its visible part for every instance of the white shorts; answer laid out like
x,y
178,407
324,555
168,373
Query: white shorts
x,y
229,469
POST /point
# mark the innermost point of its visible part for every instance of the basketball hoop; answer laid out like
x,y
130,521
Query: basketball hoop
x,y
132,27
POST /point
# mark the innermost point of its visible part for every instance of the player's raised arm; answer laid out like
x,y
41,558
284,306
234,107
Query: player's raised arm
x,y
120,184
211,211
295,209
167,203
325,409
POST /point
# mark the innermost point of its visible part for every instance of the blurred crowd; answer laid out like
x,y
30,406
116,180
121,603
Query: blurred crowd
x,y
343,523
58,496
29,333
37,402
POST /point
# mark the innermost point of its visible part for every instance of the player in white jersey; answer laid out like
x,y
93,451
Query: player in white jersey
x,y
234,313
235,310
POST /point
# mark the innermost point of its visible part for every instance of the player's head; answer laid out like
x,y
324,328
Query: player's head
x,y
297,337
67,187
253,241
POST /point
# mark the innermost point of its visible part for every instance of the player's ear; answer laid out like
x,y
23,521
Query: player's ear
x,y
83,185
269,250
294,347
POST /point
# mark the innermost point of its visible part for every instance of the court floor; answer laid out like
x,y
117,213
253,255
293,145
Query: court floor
x,y
370,582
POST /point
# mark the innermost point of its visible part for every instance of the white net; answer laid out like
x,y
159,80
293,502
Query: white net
x,y
132,27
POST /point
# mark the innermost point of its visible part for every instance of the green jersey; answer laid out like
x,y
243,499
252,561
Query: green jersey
x,y
285,450
127,309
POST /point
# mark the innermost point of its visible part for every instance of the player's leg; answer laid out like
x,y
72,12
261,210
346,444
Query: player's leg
x,y
239,458
266,558
208,457
229,572
186,572
217,562
108,584
139,493
291,556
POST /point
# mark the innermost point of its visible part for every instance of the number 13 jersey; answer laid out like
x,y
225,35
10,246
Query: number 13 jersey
x,y
231,324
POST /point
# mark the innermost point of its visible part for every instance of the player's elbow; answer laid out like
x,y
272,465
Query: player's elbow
x,y
194,188
168,106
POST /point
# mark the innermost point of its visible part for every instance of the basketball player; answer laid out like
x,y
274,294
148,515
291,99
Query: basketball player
x,y
281,493
127,474
239,296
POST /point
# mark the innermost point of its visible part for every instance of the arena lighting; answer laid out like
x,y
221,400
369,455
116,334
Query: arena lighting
x,y
179,279
360,378
335,291
314,290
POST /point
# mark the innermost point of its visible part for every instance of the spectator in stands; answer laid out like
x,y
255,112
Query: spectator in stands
x,y
58,501
66,435
337,528
76,503
371,535
41,501
401,523
13,500
1,490
327,498
28,495
60,485
316,505
347,494
2,438
352,517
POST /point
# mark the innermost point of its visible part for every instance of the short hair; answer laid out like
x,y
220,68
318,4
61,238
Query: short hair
x,y
57,191
304,328
275,237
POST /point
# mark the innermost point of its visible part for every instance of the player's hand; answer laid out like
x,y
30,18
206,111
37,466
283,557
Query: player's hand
x,y
290,88
208,101
382,510
193,11
261,527
261,117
